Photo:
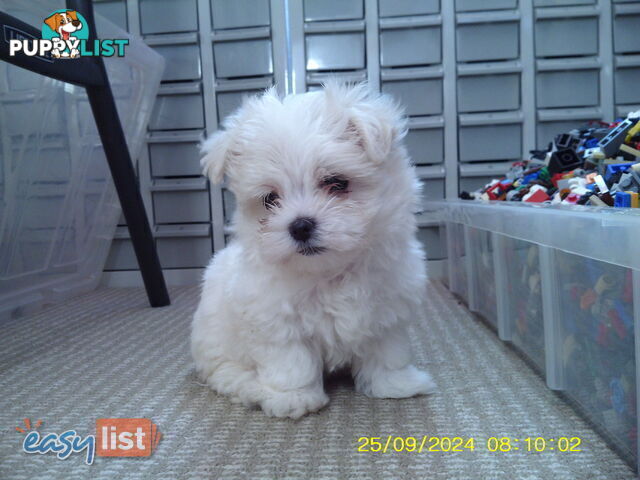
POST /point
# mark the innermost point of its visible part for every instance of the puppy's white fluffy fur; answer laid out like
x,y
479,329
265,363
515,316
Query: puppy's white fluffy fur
x,y
271,319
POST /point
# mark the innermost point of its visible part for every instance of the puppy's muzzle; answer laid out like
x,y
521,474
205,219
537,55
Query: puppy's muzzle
x,y
302,228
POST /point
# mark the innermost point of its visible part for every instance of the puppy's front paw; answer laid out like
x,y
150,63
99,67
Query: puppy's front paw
x,y
403,383
294,404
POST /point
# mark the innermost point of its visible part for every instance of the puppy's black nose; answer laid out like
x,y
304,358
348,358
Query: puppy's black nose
x,y
75,23
302,228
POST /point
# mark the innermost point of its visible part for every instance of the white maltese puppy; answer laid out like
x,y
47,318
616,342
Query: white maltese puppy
x,y
325,270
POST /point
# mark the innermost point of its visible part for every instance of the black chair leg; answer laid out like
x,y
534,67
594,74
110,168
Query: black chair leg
x,y
117,152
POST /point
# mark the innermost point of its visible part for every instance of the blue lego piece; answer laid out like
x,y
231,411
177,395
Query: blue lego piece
x,y
615,168
529,178
622,311
622,200
591,186
591,143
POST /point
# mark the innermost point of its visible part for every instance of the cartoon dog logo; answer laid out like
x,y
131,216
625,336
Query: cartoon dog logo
x,y
65,24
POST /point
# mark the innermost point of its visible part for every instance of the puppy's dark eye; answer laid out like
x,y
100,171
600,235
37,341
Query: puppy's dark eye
x,y
270,200
336,184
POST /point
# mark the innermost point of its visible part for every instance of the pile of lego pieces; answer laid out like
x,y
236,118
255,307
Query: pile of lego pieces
x,y
596,315
597,165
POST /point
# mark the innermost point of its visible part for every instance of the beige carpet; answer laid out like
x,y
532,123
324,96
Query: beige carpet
x,y
106,354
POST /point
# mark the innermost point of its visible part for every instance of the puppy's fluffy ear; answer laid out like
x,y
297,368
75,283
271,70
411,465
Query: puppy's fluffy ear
x,y
216,151
373,121
53,22
224,147
374,134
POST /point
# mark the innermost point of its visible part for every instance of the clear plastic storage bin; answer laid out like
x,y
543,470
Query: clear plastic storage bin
x,y
597,351
457,258
58,204
443,273
562,284
483,281
524,319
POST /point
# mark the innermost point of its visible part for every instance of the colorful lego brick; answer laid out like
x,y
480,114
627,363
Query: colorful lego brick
x,y
564,160
622,200
538,196
630,150
611,143
612,169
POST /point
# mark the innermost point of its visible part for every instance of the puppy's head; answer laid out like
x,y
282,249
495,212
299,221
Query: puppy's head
x,y
310,173
64,23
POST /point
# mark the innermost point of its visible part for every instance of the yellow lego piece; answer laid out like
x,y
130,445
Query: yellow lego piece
x,y
634,199
617,160
631,150
633,131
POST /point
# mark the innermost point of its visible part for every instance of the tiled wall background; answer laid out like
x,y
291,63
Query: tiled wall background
x,y
483,81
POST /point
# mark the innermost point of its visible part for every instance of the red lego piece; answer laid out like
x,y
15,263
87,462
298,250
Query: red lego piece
x,y
538,196
496,192
556,177
572,198
617,324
